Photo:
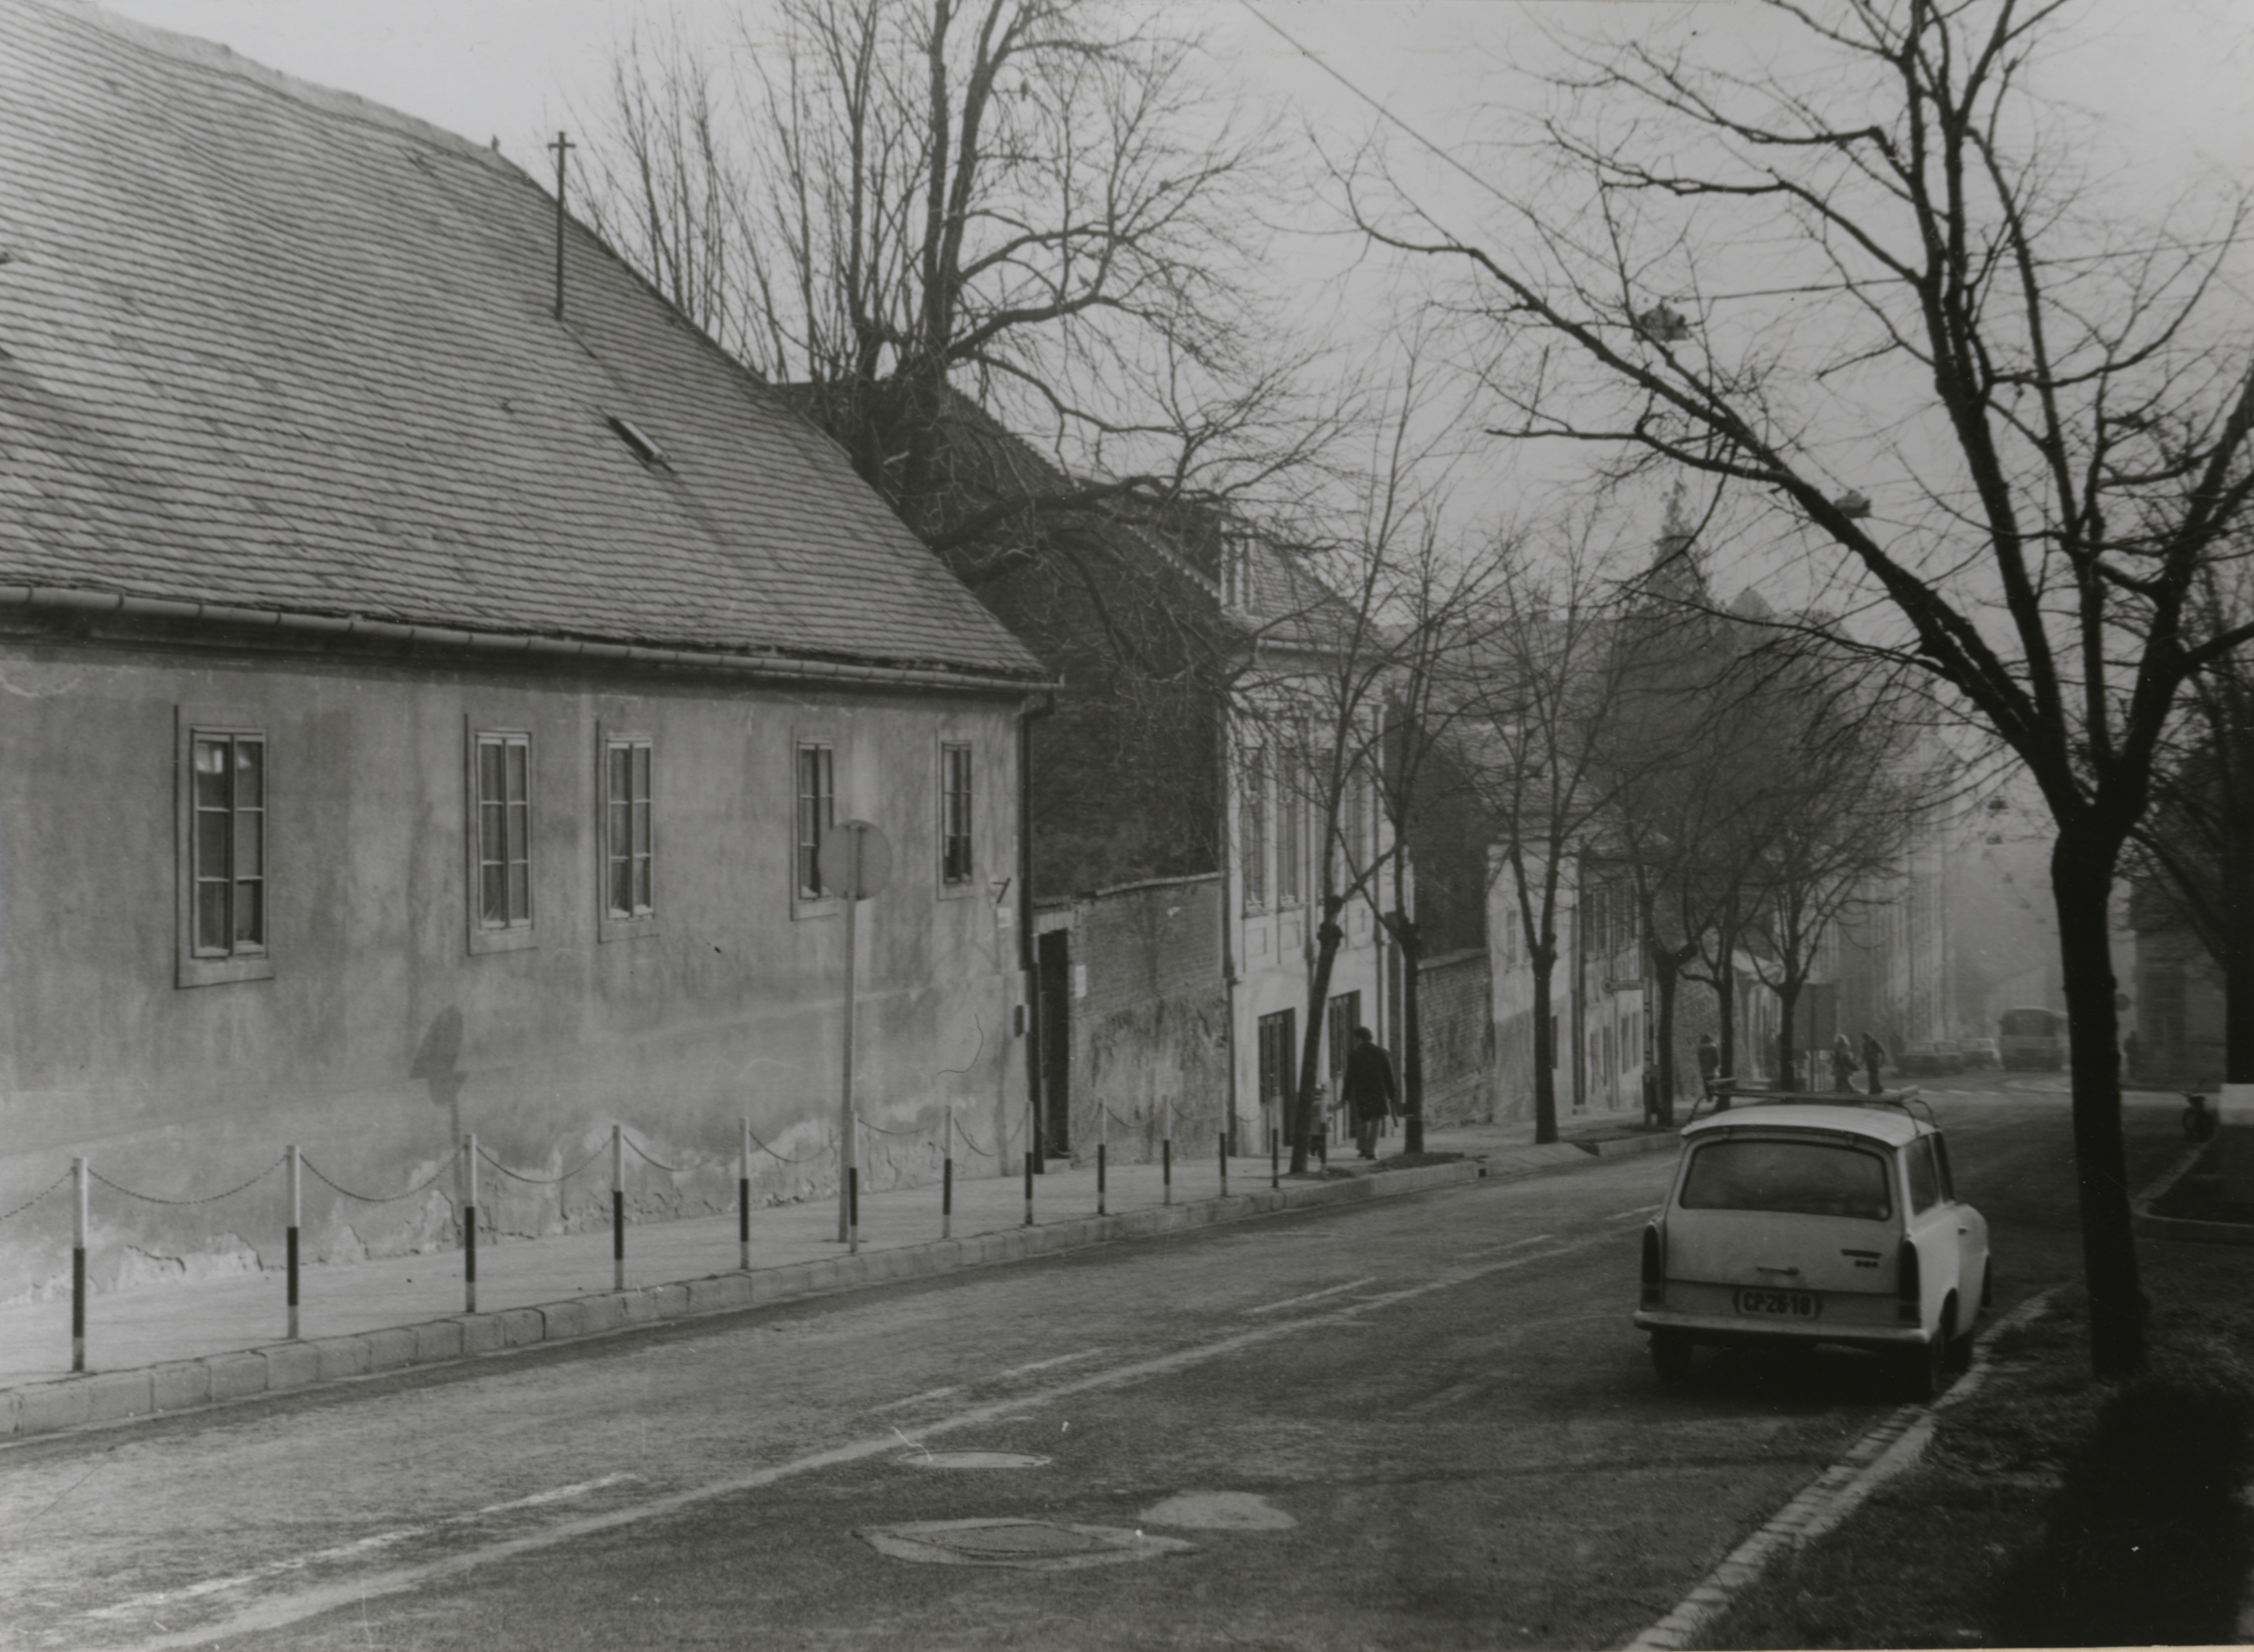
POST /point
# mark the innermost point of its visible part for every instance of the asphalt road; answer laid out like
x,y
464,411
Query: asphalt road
x,y
1422,1422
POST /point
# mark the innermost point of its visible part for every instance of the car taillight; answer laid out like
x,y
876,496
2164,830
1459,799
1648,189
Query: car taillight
x,y
1655,1268
1909,1290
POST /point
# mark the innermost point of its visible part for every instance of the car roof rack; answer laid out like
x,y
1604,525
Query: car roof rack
x,y
1760,1092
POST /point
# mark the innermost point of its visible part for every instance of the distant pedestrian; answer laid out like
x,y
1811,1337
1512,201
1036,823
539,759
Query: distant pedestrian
x,y
1842,1063
1874,1058
1368,1089
1710,1060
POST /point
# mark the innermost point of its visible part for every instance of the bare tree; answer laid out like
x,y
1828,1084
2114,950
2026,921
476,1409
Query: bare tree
x,y
1047,207
2042,415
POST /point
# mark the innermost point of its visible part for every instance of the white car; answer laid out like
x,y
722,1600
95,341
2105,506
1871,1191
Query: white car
x,y
1797,1220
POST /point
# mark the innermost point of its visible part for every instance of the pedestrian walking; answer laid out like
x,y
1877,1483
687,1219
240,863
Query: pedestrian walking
x,y
1842,1063
1368,1089
1874,1058
1710,1060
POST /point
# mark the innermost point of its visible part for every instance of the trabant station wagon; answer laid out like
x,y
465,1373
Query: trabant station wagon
x,y
1808,1218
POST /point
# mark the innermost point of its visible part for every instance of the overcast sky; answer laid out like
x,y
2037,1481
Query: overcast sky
x,y
2171,78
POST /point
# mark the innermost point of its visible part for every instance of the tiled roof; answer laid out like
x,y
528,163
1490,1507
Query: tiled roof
x,y
269,346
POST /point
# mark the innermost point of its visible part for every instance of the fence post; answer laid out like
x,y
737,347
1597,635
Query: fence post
x,y
78,1264
617,1207
291,1152
744,1200
470,1228
947,1182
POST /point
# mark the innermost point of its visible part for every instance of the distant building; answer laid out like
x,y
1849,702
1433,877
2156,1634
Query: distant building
x,y
426,687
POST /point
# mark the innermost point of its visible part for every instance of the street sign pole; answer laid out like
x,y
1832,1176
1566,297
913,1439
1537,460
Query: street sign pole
x,y
851,886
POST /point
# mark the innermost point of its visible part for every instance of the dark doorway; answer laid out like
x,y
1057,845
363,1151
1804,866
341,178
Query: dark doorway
x,y
1278,1053
1052,1026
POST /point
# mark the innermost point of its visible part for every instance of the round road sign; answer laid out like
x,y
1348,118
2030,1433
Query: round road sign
x,y
854,858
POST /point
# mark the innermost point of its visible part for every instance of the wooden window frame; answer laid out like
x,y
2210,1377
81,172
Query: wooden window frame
x,y
193,969
514,934
610,924
803,904
954,883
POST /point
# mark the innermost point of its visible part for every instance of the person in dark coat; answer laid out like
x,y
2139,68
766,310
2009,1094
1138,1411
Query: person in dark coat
x,y
1874,1058
1368,1089
1709,1058
1842,1064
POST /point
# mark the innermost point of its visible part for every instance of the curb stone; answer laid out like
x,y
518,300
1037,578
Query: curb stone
x,y
180,1385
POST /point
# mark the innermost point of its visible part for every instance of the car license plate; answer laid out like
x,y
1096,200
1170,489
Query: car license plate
x,y
1789,1304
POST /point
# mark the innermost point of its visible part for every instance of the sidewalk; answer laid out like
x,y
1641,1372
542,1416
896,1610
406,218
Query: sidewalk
x,y
171,1346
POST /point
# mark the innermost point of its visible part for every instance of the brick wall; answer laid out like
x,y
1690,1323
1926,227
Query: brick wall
x,y
1150,1038
1453,1000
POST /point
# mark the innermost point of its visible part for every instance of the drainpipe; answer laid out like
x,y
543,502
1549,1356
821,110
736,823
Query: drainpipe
x,y
1228,917
1026,958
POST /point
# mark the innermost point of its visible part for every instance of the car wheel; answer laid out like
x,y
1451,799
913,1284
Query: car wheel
x,y
1670,1356
1925,1370
1960,1346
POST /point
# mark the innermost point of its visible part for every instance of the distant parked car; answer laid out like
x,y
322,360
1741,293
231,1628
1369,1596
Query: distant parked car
x,y
1930,1058
1799,1223
1980,1052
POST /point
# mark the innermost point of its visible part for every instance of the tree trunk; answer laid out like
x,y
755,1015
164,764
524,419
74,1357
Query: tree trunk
x,y
1327,937
2082,881
1543,960
1665,974
1788,1069
1411,944
2237,961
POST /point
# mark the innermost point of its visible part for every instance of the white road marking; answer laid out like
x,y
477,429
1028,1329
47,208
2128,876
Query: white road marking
x,y
283,1610
347,1551
1043,1365
1514,1244
918,1399
1641,1210
1313,1295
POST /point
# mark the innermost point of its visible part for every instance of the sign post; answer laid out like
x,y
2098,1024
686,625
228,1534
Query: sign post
x,y
855,862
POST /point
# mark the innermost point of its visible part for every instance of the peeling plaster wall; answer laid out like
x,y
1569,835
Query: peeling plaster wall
x,y
382,1037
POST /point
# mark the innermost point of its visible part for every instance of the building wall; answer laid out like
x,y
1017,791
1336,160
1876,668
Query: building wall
x,y
380,1036
1455,1018
1149,1018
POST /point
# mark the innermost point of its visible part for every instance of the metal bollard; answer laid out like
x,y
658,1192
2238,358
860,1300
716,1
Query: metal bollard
x,y
291,1239
947,1200
1224,1163
853,1211
470,1229
1029,1190
1275,1159
1166,1170
617,1207
1099,1177
78,1264
743,1201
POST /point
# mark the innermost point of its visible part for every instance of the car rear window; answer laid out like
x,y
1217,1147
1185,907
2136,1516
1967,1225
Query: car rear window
x,y
1804,1179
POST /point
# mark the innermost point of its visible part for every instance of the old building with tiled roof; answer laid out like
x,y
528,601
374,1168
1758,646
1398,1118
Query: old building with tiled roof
x,y
424,679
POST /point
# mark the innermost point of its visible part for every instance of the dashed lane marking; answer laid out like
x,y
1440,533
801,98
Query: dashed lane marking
x,y
350,1550
1313,1296
1640,1210
1043,1365
282,1610
1507,1244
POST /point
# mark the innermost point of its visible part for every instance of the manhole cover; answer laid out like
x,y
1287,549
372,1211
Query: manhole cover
x,y
1025,1545
975,1459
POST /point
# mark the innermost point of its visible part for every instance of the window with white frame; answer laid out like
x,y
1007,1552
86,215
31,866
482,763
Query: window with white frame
x,y
955,814
227,843
817,808
629,852
502,772
1252,828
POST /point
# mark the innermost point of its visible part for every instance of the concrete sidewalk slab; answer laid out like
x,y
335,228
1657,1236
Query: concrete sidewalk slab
x,y
186,1345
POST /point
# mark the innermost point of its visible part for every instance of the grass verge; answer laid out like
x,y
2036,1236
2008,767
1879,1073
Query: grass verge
x,y
2051,1510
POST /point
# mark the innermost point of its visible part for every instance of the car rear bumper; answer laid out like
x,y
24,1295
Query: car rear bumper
x,y
1714,1327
